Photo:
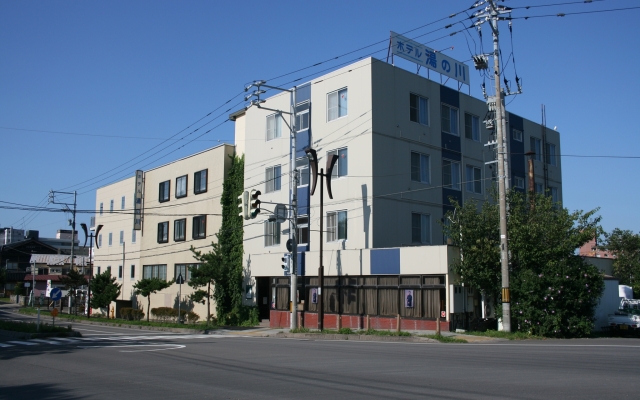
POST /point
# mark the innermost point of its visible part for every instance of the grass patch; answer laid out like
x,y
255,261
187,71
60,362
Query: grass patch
x,y
444,339
5,300
300,330
375,332
30,327
506,335
120,322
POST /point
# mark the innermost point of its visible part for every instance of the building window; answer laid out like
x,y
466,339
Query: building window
x,y
133,272
473,178
449,117
274,126
179,229
451,174
184,270
518,182
303,230
271,233
420,228
119,271
471,127
418,109
536,146
517,135
122,203
200,182
110,238
164,191
163,232
539,188
181,186
101,208
133,236
336,226
109,270
154,271
342,165
111,206
121,237
302,164
554,194
337,104
200,227
420,167
550,154
302,121
100,240
272,179
98,270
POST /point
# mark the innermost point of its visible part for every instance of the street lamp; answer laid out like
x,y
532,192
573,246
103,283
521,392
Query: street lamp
x,y
331,162
90,236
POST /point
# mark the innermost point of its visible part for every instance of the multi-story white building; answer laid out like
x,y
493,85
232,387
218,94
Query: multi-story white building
x,y
406,146
180,209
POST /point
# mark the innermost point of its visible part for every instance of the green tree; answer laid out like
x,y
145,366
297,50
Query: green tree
x,y
625,245
206,276
553,291
148,286
104,290
72,282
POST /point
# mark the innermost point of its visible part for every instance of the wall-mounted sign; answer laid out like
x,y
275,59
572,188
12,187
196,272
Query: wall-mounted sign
x,y
314,296
408,298
429,58
137,202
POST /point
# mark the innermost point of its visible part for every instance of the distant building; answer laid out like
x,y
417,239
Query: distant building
x,y
591,249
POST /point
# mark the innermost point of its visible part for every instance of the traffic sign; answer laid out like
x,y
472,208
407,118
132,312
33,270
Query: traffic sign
x,y
56,294
54,312
180,279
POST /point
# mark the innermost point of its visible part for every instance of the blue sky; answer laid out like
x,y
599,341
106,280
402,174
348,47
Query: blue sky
x,y
86,87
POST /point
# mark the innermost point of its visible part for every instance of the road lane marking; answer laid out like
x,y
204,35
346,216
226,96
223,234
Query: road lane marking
x,y
5,345
45,341
25,343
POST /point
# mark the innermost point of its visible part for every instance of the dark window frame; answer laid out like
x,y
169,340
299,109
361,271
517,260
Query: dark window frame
x,y
199,221
197,181
163,232
164,188
184,230
186,186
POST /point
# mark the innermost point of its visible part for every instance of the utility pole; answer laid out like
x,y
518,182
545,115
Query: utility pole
x,y
92,235
293,183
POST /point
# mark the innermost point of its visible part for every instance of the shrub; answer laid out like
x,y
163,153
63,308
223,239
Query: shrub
x,y
192,317
125,313
137,314
164,314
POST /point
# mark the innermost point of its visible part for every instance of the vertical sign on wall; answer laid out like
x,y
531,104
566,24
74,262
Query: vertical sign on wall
x,y
137,202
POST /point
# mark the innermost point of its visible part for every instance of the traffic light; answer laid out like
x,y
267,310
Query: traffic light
x,y
285,262
244,205
255,203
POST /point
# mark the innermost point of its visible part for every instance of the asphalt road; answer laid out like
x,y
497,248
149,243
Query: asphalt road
x,y
151,365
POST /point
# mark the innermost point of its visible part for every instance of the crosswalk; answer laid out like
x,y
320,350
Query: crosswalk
x,y
77,341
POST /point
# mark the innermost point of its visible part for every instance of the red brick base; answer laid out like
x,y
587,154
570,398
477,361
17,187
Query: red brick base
x,y
280,319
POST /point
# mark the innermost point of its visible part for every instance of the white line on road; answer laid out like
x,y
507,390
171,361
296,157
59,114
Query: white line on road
x,y
5,345
25,343
45,341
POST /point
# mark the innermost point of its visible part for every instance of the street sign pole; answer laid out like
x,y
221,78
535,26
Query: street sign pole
x,y
180,281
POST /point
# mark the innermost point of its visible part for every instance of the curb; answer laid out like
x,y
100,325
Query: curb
x,y
148,328
360,338
26,335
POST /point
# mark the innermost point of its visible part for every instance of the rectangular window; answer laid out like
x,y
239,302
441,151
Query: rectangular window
x,y
164,191
536,146
111,206
302,164
302,121
163,232
181,186
101,208
200,227
274,126
133,272
451,174
109,269
473,178
272,179
420,167
539,188
100,240
119,271
122,203
154,271
420,228
179,229
517,135
449,118
271,233
518,182
550,154
553,191
200,182
342,165
121,237
471,127
337,104
336,226
418,109
110,238
303,230
133,236
184,270
98,270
